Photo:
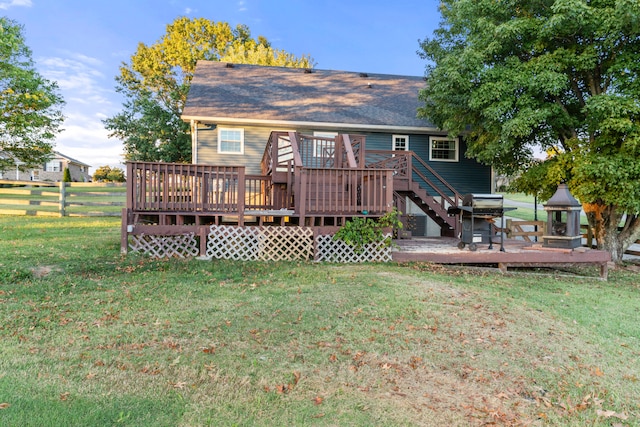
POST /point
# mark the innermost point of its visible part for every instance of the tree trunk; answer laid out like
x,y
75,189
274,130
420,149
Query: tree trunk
x,y
604,221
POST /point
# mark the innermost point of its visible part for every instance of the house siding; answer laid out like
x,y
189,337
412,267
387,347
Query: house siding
x,y
255,141
465,175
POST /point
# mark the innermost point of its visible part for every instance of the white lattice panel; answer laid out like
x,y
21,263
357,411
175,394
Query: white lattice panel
x,y
330,250
182,245
260,243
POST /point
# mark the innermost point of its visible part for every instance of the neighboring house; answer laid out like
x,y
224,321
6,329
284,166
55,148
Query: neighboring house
x,y
52,170
234,108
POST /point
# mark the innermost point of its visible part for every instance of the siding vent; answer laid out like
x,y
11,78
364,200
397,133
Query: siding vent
x,y
308,71
364,75
229,65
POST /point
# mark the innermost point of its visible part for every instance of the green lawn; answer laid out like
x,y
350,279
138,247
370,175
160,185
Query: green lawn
x,y
92,338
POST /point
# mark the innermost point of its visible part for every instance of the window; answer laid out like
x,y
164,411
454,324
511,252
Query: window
x,y
443,149
53,167
230,141
400,143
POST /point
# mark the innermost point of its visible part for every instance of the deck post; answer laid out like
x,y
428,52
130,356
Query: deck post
x,y
242,191
204,233
132,179
301,190
287,203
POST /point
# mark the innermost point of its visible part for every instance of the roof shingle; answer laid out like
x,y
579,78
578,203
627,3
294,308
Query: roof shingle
x,y
279,94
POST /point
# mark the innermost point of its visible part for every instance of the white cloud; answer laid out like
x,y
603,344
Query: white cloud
x,y
83,86
85,138
7,4
188,11
242,6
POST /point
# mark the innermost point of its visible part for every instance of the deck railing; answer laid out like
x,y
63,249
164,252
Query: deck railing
x,y
344,191
286,150
173,187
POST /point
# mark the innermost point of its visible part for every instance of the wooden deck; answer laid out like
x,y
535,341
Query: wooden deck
x,y
517,253
317,182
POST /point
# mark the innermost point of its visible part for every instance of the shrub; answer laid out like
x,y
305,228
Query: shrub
x,y
359,231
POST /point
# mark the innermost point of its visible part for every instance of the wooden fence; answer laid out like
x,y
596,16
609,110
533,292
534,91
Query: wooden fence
x,y
528,230
79,199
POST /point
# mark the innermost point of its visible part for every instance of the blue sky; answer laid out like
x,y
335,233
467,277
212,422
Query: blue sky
x,y
81,43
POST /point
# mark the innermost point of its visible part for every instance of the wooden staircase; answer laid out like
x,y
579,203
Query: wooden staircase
x,y
433,208
420,183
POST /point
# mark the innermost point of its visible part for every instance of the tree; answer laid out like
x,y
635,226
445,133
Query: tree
x,y
116,175
66,175
30,115
156,81
108,174
519,77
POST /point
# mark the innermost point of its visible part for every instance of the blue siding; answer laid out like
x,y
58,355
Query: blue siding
x,y
465,175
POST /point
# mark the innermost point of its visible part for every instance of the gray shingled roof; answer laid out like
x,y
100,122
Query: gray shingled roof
x,y
278,94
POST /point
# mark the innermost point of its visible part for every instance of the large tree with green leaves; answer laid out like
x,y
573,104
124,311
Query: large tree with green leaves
x,y
519,77
30,105
156,81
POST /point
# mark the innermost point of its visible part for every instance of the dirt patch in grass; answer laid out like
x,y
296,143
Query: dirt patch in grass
x,y
42,271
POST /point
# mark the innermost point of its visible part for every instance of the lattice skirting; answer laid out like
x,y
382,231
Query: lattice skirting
x,y
182,245
330,250
260,243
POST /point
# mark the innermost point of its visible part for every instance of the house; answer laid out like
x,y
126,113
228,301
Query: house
x,y
282,158
234,108
51,171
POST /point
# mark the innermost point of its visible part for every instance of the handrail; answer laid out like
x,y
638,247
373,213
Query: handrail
x,y
402,163
457,196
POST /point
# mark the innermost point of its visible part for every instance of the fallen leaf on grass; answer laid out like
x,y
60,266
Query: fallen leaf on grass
x,y
4,405
318,400
64,396
609,414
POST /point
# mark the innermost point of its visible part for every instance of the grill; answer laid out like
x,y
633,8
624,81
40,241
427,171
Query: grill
x,y
477,216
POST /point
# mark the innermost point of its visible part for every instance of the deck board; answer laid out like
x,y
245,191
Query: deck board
x,y
516,253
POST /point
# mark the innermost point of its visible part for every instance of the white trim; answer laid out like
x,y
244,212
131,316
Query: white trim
x,y
316,125
194,142
444,138
241,130
406,142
